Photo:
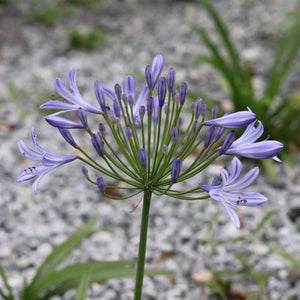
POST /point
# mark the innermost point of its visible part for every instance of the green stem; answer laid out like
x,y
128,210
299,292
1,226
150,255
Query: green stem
x,y
142,246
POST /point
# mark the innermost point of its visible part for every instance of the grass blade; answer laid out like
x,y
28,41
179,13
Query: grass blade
x,y
264,220
83,286
2,274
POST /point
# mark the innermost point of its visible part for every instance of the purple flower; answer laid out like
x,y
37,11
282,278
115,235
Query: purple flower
x,y
47,161
74,97
60,122
101,184
155,110
229,191
247,147
97,143
233,121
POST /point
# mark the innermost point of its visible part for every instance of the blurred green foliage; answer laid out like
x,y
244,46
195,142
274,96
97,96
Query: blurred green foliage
x,y
50,280
280,119
222,280
86,41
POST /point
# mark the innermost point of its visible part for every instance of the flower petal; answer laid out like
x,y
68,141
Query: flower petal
x,y
233,216
28,152
59,122
156,68
129,86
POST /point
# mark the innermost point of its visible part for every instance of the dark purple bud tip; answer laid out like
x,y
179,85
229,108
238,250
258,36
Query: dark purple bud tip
x,y
203,108
209,136
176,169
128,132
143,157
97,143
182,93
124,98
142,111
101,184
214,111
66,134
118,91
148,75
85,171
171,79
229,139
101,128
82,117
162,91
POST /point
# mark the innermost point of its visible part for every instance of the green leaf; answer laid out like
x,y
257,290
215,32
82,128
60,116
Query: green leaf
x,y
230,241
119,269
264,220
10,294
253,297
57,256
83,286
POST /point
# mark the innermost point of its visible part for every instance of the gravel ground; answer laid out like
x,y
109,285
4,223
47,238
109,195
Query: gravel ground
x,y
33,55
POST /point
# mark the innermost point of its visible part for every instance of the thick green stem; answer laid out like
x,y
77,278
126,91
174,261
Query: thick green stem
x,y
142,246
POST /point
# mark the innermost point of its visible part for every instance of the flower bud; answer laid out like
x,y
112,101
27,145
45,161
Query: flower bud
x,y
193,107
101,128
183,92
82,117
174,134
117,109
99,91
124,98
143,157
198,106
130,101
150,106
118,91
196,126
203,109
219,133
101,184
179,121
85,171
209,136
214,111
229,139
171,79
176,169
142,111
148,75
97,143
128,133
162,91
66,134
165,149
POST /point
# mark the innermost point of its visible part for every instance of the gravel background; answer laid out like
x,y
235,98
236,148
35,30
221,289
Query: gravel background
x,y
33,55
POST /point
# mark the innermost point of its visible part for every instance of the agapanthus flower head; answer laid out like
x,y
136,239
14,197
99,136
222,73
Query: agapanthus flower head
x,y
46,161
229,192
151,153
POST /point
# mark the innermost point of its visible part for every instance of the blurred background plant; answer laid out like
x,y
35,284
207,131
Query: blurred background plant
x,y
50,280
281,117
222,282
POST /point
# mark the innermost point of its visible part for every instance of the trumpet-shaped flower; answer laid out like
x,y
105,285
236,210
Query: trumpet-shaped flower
x,y
74,97
229,191
46,161
247,146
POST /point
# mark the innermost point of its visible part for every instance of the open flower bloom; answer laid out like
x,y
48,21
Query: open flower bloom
x,y
73,97
129,88
46,161
229,191
247,146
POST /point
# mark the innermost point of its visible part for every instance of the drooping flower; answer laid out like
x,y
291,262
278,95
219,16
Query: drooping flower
x,y
247,146
74,98
235,120
229,191
46,161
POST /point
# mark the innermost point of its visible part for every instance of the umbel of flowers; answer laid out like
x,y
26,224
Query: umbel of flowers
x,y
153,133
